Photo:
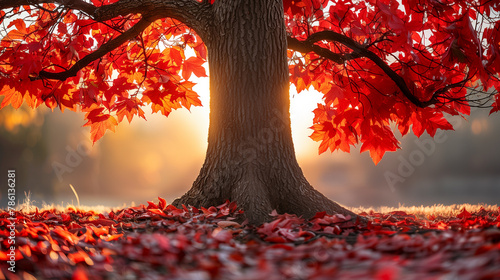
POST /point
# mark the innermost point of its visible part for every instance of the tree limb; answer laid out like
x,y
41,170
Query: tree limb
x,y
359,51
103,50
190,12
194,14
306,46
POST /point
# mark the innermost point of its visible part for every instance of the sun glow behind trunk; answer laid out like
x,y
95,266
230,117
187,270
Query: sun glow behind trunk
x,y
301,114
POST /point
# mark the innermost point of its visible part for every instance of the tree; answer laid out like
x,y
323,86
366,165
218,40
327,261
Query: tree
x,y
377,62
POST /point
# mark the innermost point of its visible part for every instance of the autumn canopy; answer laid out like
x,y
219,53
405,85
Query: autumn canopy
x,y
376,62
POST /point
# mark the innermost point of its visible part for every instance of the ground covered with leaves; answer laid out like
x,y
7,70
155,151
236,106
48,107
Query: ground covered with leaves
x,y
159,241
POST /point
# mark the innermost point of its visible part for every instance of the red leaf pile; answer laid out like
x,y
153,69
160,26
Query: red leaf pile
x,y
160,241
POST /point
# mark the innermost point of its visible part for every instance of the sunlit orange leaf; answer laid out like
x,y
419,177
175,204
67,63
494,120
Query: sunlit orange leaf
x,y
113,237
79,257
12,97
20,25
99,123
193,65
72,239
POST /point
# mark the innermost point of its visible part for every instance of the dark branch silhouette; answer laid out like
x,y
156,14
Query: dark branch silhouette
x,y
306,46
103,50
360,51
192,13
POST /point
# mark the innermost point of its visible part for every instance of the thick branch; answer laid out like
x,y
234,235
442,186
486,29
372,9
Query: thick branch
x,y
359,51
190,12
194,14
306,46
103,50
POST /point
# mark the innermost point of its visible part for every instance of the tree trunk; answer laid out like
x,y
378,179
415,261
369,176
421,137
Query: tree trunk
x,y
250,157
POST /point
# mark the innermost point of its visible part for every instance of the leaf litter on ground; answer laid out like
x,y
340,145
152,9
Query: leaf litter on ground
x,y
160,241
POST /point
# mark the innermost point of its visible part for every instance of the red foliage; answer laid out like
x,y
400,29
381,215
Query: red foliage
x,y
444,52
439,50
160,240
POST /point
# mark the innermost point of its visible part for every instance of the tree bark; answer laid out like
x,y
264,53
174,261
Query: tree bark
x,y
250,157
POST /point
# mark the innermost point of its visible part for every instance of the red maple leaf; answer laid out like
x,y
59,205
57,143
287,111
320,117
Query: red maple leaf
x,y
99,122
193,65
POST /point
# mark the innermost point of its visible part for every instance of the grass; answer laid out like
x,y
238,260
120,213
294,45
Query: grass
x,y
441,210
437,210
422,212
